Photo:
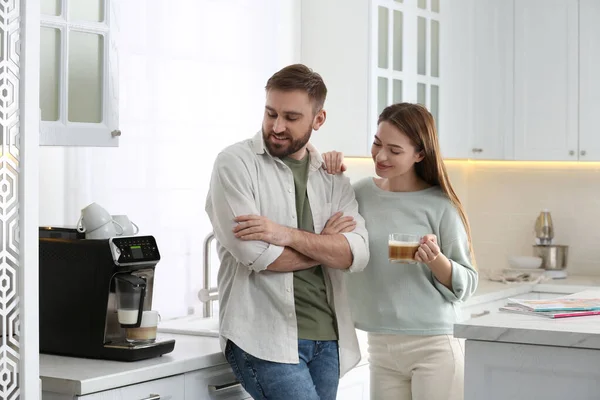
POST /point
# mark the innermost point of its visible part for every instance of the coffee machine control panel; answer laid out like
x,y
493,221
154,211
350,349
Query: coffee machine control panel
x,y
134,250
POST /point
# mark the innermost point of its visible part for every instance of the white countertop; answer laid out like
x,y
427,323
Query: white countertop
x,y
577,332
490,291
78,376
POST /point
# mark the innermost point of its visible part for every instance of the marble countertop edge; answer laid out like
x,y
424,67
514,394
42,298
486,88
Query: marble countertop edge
x,y
490,291
528,336
159,371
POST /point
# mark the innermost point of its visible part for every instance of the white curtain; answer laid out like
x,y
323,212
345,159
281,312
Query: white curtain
x,y
192,76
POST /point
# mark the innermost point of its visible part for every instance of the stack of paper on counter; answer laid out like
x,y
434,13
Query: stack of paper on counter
x,y
561,307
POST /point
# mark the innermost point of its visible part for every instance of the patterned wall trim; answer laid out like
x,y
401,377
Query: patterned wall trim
x,y
9,198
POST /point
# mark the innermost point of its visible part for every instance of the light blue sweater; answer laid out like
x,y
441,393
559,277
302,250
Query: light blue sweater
x,y
407,298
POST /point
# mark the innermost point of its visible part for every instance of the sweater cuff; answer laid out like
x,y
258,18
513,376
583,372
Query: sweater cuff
x,y
459,277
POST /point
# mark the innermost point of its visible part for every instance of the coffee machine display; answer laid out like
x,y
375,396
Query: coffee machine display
x,y
96,298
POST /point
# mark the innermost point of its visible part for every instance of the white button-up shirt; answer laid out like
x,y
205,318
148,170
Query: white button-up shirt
x,y
256,306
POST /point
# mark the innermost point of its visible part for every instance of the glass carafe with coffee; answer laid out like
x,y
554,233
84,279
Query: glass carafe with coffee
x,y
140,326
402,248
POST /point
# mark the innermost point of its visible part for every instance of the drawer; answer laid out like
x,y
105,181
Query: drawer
x,y
171,388
215,383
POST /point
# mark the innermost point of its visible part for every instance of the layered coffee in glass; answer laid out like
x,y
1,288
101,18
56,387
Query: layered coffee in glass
x,y
402,248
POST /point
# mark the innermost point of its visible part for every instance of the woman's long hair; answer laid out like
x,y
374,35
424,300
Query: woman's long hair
x,y
418,124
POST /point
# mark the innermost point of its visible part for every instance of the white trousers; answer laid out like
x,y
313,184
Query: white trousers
x,y
416,367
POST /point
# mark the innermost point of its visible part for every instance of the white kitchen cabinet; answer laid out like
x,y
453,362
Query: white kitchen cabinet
x,y
546,80
215,383
373,53
492,76
456,123
79,88
335,43
500,371
589,80
476,119
355,384
171,388
525,79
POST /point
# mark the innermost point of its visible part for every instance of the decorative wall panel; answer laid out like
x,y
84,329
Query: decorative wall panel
x,y
9,199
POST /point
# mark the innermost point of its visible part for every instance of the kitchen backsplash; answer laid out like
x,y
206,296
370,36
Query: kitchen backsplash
x,y
503,199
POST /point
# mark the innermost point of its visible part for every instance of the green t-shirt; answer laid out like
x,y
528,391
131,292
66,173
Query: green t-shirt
x,y
314,315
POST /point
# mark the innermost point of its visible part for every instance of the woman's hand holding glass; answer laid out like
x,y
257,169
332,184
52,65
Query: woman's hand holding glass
x,y
428,250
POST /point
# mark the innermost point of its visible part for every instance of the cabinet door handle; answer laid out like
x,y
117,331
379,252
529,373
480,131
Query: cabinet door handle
x,y
225,387
583,153
481,314
477,150
571,152
116,133
153,397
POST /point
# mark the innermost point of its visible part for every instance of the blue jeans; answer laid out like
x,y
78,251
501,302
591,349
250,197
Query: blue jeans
x,y
315,377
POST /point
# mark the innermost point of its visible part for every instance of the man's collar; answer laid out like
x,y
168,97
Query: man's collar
x,y
258,145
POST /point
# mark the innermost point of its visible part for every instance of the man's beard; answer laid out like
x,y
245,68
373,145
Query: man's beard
x,y
290,146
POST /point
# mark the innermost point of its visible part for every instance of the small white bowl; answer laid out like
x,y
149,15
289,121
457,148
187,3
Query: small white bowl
x,y
525,262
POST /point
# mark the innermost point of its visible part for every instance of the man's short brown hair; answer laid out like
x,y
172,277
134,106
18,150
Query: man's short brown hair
x,y
300,77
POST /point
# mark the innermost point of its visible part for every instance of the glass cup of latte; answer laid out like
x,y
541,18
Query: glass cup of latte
x,y
402,247
146,333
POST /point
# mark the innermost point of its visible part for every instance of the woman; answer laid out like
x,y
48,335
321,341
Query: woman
x,y
409,310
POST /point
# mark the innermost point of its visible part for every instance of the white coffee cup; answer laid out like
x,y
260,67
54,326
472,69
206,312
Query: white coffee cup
x,y
92,217
106,231
129,227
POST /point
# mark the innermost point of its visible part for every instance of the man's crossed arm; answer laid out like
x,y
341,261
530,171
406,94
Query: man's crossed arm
x,y
302,249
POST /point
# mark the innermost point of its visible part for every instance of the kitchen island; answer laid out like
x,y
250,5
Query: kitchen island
x,y
513,356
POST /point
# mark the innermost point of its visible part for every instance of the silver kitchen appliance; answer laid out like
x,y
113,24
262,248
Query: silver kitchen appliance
x,y
554,256
544,228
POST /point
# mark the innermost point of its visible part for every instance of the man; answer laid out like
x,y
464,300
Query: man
x,y
286,231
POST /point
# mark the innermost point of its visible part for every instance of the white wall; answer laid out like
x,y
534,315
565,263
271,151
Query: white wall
x,y
52,190
192,76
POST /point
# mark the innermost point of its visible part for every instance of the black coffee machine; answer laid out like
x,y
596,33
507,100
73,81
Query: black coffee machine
x,y
91,290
